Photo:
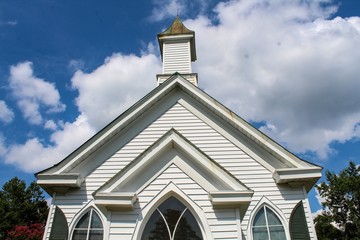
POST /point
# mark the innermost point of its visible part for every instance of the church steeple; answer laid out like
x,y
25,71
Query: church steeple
x,y
177,46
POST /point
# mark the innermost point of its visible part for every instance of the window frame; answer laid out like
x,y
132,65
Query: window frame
x,y
267,224
265,202
91,211
173,234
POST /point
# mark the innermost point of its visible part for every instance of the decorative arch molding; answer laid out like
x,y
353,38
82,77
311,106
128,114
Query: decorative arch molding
x,y
86,208
264,201
225,190
172,190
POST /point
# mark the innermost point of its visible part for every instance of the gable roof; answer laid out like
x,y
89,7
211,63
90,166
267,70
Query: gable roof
x,y
285,166
173,149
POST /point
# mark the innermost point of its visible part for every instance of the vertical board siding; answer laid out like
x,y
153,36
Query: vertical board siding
x,y
212,143
177,57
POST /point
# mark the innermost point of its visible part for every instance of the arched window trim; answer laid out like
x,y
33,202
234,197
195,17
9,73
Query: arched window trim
x,y
90,206
172,190
264,201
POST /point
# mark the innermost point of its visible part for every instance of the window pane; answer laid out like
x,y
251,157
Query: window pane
x,y
155,228
260,233
96,235
172,209
172,216
171,203
84,221
272,218
260,218
188,228
95,221
277,233
79,235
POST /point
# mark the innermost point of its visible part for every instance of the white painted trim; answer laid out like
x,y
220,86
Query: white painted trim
x,y
264,201
174,82
309,215
284,175
176,37
172,148
87,207
50,215
238,223
172,190
227,135
115,201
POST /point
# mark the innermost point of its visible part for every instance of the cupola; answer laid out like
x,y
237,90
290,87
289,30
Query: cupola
x,y
177,47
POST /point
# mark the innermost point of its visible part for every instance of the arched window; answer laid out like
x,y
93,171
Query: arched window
x,y
89,227
267,225
172,221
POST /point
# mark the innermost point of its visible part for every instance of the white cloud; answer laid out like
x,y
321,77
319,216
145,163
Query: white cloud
x,y
113,87
320,199
2,145
34,155
317,213
76,64
284,63
10,22
50,124
103,95
6,114
280,62
33,93
164,9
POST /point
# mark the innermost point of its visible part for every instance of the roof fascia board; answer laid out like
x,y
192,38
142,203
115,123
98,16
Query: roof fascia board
x,y
115,126
246,128
173,139
59,182
227,135
176,37
289,174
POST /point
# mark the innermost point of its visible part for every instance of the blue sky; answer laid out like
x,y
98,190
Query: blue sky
x,y
67,68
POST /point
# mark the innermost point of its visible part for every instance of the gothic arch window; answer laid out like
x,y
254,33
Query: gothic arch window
x,y
172,220
267,225
89,227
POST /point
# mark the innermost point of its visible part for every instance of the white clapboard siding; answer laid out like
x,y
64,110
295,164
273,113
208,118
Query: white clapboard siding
x,y
176,57
123,224
212,143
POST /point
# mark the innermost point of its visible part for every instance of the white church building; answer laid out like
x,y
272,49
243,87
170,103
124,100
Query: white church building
x,y
179,165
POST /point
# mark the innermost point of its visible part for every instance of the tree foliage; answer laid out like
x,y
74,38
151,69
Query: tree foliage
x,y
21,207
342,204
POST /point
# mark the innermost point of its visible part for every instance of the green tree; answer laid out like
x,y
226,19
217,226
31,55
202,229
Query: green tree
x,y
342,204
21,206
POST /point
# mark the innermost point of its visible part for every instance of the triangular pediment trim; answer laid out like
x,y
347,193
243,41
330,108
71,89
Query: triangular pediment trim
x,y
253,142
172,148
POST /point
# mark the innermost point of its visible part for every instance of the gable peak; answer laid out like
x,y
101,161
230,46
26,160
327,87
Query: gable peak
x,y
177,27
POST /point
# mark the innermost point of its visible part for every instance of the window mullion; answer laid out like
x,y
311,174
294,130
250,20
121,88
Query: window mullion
x,y
167,226
267,223
89,225
177,223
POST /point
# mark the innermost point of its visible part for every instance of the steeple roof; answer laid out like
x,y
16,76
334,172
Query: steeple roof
x,y
177,27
